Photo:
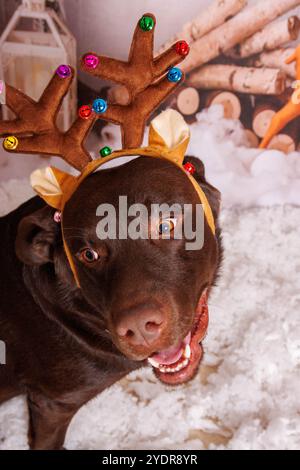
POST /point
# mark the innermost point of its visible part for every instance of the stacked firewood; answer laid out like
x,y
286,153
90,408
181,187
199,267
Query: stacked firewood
x,y
237,59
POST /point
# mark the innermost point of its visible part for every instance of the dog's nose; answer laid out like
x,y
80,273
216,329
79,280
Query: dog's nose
x,y
140,327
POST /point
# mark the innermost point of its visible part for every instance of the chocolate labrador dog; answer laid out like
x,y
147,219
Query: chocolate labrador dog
x,y
140,301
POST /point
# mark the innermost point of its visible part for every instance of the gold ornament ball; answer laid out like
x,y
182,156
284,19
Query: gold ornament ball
x,y
10,143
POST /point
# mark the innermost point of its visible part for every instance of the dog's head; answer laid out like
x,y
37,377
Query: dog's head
x,y
151,292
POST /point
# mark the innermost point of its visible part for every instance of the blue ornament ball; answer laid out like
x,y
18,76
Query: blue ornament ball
x,y
99,105
174,74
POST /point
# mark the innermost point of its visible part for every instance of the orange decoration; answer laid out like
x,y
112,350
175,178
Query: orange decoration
x,y
291,110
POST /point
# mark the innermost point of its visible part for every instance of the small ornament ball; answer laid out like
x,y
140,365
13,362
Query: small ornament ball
x,y
174,74
182,48
189,168
99,105
10,143
91,61
57,217
105,151
85,111
64,71
146,23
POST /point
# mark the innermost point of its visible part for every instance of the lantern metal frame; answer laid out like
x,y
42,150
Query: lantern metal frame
x,y
58,43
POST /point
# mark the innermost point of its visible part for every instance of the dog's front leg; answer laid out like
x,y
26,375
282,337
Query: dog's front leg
x,y
48,422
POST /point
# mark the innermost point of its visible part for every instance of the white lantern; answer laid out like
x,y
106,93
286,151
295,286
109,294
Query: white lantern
x,y
32,45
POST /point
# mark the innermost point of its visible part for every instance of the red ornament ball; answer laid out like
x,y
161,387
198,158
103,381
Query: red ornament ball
x,y
85,111
189,168
182,48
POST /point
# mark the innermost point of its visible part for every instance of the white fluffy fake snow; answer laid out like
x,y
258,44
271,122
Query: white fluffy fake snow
x,y
244,176
250,399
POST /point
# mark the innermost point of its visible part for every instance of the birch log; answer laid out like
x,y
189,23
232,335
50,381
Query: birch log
x,y
187,100
269,38
260,81
262,117
287,140
283,142
240,27
216,14
230,102
276,59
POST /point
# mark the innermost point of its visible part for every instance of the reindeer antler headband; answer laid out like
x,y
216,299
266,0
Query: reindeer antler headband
x,y
148,80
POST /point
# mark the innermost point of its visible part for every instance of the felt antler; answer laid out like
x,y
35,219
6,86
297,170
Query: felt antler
x,y
143,76
34,130
141,69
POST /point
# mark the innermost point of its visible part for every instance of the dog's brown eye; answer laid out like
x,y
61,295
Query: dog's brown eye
x,y
166,227
88,255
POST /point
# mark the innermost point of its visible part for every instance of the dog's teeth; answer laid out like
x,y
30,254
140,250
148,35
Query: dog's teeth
x,y
187,351
153,362
170,370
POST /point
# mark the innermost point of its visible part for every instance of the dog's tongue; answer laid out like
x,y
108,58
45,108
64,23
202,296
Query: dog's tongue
x,y
172,354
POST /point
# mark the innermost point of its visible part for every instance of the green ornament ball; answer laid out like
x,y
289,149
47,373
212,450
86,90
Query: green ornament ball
x,y
105,151
146,23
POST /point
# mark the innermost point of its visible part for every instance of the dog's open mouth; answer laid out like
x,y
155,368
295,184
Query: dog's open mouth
x,y
179,364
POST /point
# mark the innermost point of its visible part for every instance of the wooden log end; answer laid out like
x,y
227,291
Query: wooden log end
x,y
262,120
283,142
230,102
188,101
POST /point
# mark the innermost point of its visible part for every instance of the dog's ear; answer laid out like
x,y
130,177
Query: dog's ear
x,y
212,194
37,236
